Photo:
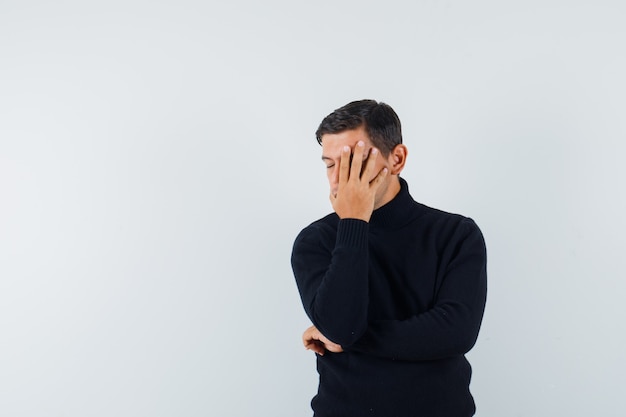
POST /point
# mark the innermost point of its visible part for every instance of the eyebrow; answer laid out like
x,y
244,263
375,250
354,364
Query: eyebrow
x,y
326,158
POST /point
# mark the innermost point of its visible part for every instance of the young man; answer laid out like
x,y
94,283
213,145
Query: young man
x,y
395,289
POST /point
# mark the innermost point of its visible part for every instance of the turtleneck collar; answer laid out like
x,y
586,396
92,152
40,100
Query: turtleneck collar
x,y
397,212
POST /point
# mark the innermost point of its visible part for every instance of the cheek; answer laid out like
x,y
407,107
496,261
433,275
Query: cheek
x,y
380,164
331,174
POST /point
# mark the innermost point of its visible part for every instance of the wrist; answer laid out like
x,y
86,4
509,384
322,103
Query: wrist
x,y
352,232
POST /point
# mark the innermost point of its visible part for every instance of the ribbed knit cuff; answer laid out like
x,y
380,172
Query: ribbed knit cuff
x,y
352,232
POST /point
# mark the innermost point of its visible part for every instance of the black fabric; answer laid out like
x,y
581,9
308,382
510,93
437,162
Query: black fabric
x,y
404,295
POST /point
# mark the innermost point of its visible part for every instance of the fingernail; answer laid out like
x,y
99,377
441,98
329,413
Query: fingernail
x,y
360,143
346,149
374,151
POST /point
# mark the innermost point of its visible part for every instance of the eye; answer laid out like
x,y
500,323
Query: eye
x,y
330,166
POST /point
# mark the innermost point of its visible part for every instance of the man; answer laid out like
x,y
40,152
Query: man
x,y
395,289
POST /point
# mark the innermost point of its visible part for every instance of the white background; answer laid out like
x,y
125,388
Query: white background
x,y
157,159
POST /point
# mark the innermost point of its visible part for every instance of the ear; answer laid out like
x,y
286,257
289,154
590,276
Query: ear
x,y
397,159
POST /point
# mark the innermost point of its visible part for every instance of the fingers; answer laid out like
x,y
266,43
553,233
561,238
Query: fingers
x,y
311,340
332,346
357,160
316,346
314,340
344,165
351,164
370,164
308,335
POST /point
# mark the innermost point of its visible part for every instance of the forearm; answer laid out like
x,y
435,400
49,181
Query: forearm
x,y
446,330
334,285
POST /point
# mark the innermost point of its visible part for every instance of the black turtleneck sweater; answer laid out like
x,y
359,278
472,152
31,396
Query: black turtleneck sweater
x,y
404,296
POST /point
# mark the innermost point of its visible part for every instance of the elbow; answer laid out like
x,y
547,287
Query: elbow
x,y
466,339
456,344
464,331
466,344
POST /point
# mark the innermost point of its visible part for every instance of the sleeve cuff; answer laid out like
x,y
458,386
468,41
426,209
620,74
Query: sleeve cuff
x,y
352,232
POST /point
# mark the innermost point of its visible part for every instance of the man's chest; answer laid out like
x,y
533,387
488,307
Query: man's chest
x,y
403,282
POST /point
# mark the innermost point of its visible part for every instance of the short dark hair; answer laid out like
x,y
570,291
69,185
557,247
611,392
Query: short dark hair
x,y
381,123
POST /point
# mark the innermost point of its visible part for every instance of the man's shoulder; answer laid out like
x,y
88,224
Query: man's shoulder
x,y
330,221
326,227
441,215
440,219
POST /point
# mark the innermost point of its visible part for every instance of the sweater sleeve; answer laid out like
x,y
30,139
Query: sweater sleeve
x,y
333,283
451,326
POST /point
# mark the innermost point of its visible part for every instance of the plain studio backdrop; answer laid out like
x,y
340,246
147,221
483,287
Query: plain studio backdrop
x,y
157,160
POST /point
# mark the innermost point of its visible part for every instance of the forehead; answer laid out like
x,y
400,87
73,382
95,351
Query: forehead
x,y
333,143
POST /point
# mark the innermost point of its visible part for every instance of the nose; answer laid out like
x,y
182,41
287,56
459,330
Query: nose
x,y
333,179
